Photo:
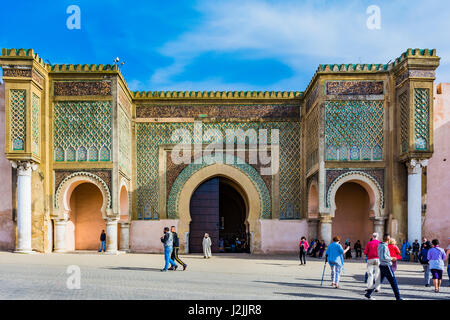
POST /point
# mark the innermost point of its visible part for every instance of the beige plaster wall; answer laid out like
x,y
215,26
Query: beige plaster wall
x,y
145,235
7,226
437,219
282,236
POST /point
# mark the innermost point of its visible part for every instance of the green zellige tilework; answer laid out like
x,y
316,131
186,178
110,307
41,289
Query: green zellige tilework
x,y
354,130
124,141
35,112
79,126
421,118
17,103
151,135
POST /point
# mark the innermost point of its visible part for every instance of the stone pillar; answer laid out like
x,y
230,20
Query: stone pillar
x,y
124,236
325,228
24,170
60,235
378,227
415,199
111,235
312,229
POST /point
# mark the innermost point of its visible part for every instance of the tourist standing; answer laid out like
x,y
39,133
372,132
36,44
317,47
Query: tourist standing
x,y
385,269
373,262
405,250
321,249
176,248
167,240
316,249
303,247
394,251
436,257
102,241
206,246
358,249
424,240
423,258
416,250
335,257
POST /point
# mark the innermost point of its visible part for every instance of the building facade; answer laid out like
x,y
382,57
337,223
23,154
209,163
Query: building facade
x,y
346,156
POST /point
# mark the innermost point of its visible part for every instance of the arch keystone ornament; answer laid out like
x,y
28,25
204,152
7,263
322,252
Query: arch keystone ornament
x,y
62,208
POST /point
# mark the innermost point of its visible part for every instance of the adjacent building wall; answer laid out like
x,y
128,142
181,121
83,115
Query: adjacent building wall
x,y
437,219
7,229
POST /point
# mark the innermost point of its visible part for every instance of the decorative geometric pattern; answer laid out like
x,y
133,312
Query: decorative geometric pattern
x,y
404,120
312,138
86,124
35,112
82,88
354,130
124,141
421,118
151,135
17,103
354,87
172,207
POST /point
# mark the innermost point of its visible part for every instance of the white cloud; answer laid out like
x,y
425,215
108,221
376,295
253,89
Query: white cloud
x,y
300,33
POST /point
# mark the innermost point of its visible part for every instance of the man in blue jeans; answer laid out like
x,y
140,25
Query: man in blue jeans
x,y
102,241
167,240
385,269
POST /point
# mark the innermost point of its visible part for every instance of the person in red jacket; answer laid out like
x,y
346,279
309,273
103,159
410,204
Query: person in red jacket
x,y
303,246
395,253
373,262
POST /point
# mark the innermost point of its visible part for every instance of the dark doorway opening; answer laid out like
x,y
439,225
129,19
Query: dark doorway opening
x,y
218,208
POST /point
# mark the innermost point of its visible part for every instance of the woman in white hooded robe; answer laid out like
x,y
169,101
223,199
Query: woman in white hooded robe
x,y
206,246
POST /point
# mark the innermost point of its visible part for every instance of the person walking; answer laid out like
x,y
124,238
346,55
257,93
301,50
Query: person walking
x,y
416,250
335,257
405,250
303,247
423,258
436,257
373,262
394,251
424,240
167,240
176,248
385,270
102,241
206,246
358,249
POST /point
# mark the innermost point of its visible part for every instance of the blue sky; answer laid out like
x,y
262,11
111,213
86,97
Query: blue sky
x,y
226,45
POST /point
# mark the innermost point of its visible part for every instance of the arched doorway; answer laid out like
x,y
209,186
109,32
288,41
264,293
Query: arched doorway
x,y
85,221
352,215
218,207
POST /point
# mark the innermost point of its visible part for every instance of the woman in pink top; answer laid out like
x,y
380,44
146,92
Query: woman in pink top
x,y
303,246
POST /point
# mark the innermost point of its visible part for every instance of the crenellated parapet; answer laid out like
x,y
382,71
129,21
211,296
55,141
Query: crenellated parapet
x,y
216,94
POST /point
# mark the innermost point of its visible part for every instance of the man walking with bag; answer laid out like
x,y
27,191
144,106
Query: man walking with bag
x,y
373,263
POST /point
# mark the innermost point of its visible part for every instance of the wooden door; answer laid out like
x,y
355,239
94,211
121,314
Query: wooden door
x,y
204,208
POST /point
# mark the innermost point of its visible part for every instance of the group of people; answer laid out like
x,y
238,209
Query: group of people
x,y
316,249
381,259
171,244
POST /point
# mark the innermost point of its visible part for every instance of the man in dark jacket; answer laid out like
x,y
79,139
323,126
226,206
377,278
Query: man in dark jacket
x,y
167,240
102,241
176,247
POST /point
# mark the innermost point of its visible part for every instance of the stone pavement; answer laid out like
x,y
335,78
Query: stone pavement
x,y
224,276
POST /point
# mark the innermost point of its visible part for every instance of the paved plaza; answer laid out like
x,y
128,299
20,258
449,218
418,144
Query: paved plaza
x,y
224,276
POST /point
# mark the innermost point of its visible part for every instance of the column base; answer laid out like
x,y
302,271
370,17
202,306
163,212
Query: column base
x,y
115,252
59,251
25,251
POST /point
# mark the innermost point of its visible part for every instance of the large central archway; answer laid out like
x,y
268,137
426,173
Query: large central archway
x,y
218,207
241,183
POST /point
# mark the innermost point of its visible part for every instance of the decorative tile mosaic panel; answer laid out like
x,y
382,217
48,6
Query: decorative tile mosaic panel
x,y
151,135
17,104
421,118
17,72
312,138
82,88
404,120
84,124
354,87
312,98
124,141
354,130
35,129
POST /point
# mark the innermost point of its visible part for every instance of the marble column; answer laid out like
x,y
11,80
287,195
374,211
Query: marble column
x,y
312,229
124,244
111,235
378,227
60,235
24,170
415,199
325,228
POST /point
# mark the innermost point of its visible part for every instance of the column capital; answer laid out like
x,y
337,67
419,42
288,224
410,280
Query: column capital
x,y
415,165
378,221
112,220
23,166
326,218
